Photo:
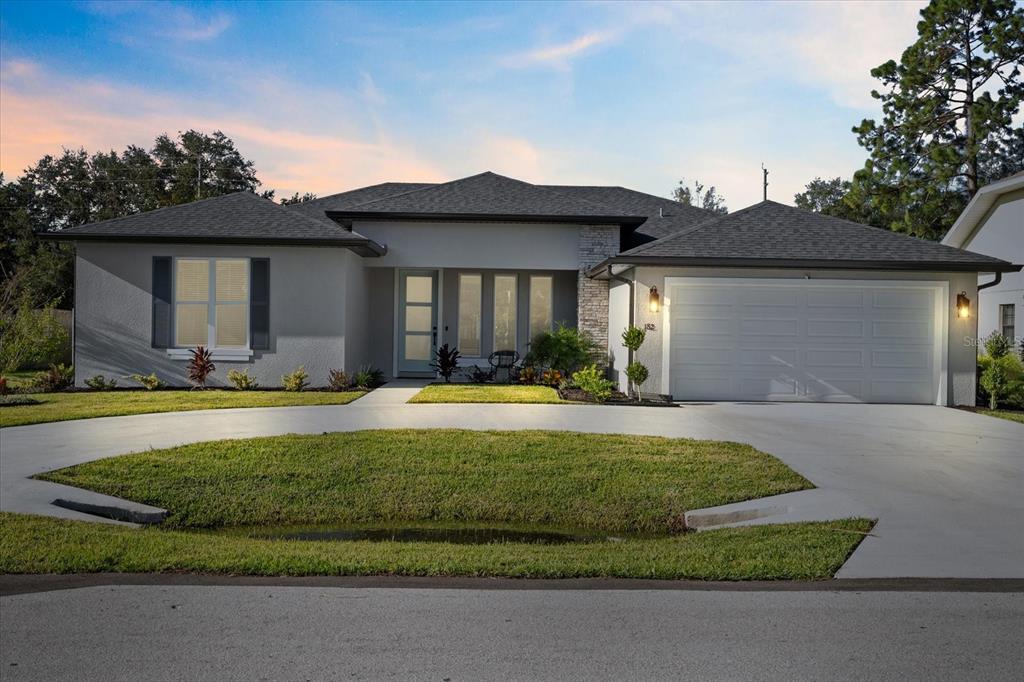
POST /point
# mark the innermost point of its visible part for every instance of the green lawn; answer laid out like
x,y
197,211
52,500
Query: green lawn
x,y
486,393
553,479
806,551
55,407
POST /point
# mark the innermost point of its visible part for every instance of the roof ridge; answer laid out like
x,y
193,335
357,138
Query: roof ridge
x,y
360,189
420,189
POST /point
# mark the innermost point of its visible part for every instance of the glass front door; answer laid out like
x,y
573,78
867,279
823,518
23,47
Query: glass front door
x,y
417,320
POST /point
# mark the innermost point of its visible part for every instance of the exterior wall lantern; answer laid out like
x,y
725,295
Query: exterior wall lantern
x,y
963,305
654,300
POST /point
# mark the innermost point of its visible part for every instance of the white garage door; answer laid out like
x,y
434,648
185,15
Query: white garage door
x,y
804,340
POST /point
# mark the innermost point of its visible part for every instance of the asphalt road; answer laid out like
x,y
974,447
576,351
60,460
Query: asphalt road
x,y
189,632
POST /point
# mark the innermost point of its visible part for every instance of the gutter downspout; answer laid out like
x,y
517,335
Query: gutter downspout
x,y
632,303
997,280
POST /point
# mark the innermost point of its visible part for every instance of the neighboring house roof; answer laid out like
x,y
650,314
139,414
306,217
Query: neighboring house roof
x,y
486,196
966,226
239,218
770,234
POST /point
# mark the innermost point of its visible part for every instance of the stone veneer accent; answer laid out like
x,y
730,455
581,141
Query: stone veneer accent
x,y
597,242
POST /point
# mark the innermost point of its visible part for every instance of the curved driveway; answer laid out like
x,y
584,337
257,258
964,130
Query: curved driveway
x,y
946,485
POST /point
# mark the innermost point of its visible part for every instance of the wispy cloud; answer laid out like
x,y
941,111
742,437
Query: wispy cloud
x,y
558,55
100,115
172,22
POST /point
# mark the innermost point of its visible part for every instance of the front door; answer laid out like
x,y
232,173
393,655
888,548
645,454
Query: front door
x,y
417,320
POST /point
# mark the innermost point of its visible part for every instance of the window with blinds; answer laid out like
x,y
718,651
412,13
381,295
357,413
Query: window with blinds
x,y
211,302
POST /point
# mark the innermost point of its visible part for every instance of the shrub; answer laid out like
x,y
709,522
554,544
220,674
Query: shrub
x,y
32,338
56,378
446,362
101,383
296,381
200,367
4,390
151,382
368,377
481,375
997,345
338,380
637,373
243,381
1001,381
591,379
565,349
528,375
633,338
551,377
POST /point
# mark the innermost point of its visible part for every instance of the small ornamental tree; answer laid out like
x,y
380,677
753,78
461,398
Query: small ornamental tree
x,y
637,373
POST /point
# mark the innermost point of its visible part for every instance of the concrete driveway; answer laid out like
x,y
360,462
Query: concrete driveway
x,y
947,486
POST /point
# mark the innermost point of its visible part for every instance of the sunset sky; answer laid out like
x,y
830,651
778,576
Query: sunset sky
x,y
327,97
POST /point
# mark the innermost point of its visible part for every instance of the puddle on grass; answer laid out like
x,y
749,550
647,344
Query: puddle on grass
x,y
458,536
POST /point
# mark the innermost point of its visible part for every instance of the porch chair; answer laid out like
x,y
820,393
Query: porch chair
x,y
503,360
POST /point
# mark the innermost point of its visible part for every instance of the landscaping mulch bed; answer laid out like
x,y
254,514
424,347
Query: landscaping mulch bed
x,y
618,398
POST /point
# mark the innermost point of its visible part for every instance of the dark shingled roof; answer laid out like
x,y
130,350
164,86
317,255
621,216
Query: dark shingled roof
x,y
776,234
314,208
241,217
664,216
487,196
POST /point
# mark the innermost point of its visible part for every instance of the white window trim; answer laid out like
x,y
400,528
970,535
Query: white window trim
x,y
494,308
529,305
225,354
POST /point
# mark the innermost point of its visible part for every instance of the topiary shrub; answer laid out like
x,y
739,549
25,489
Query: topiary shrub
x,y
242,380
997,345
637,373
591,379
200,367
296,381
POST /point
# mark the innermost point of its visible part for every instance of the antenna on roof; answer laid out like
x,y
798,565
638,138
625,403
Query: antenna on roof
x,y
765,180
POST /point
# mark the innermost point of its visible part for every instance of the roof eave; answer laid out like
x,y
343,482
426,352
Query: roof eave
x,y
346,218
362,247
908,266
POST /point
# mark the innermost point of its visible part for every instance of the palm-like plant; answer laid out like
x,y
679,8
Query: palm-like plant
x,y
200,367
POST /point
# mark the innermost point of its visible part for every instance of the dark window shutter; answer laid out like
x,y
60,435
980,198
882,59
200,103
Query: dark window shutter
x,y
259,304
162,303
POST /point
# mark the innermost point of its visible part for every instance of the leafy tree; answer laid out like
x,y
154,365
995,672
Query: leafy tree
x,y
75,188
701,196
947,109
297,198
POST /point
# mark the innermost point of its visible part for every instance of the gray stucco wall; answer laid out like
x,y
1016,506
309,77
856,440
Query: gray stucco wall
x,y
961,351
317,314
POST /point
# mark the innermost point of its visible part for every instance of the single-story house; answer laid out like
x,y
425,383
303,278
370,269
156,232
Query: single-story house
x,y
768,303
993,224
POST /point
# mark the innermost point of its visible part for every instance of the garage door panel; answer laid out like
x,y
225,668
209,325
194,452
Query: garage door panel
x,y
834,357
832,298
900,329
847,341
833,327
767,357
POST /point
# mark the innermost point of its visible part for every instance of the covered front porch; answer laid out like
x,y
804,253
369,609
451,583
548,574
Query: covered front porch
x,y
413,311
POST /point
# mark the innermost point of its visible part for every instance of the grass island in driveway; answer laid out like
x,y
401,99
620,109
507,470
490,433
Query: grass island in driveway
x,y
486,393
629,490
55,407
